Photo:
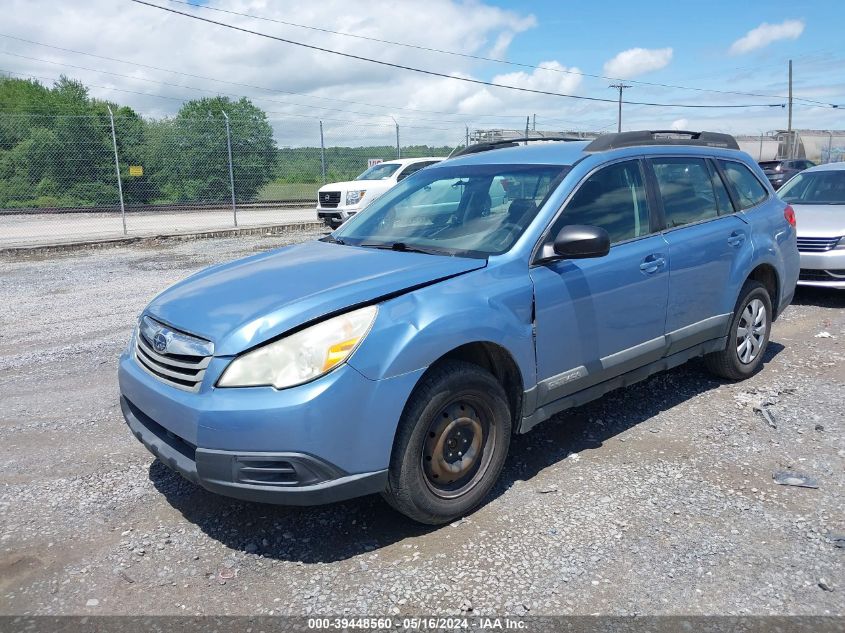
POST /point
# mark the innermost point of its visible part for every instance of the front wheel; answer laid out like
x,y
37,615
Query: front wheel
x,y
451,444
748,336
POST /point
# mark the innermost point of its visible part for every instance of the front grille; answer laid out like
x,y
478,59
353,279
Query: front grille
x,y
816,244
807,274
329,199
184,358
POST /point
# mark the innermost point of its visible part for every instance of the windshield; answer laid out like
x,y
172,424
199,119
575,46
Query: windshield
x,y
382,171
815,187
469,210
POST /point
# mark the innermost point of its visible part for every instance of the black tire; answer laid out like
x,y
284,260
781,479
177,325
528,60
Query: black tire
x,y
480,408
727,363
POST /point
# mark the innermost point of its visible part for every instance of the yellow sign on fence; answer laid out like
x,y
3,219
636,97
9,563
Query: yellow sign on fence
x,y
136,170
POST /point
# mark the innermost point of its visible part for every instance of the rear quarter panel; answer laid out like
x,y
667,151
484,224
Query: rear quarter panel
x,y
775,244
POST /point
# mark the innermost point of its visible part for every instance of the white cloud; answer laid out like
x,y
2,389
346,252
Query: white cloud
x,y
765,34
326,83
680,124
637,61
561,79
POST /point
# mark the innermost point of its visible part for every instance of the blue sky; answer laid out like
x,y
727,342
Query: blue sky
x,y
700,35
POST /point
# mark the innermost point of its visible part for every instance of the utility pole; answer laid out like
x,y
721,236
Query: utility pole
x,y
791,146
619,87
117,170
527,121
398,151
534,123
231,168
467,129
322,154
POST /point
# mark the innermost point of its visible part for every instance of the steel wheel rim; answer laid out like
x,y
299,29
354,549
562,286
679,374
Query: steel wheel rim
x,y
458,447
751,331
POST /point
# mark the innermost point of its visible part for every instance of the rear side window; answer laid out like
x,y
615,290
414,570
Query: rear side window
x,y
687,190
747,189
614,199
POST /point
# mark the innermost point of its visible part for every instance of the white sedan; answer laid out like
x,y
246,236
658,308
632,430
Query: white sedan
x,y
338,201
818,197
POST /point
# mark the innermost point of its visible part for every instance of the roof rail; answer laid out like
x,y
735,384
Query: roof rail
x,y
661,137
511,142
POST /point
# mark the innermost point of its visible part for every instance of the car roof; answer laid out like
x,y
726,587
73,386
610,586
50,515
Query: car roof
x,y
408,161
537,153
570,152
827,167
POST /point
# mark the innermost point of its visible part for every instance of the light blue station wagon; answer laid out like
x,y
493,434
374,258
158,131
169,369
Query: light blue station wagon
x,y
477,298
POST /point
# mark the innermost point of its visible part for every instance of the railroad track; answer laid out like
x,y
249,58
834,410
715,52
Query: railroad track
x,y
166,208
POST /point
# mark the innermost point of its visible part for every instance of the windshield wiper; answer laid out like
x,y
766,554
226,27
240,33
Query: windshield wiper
x,y
332,240
402,247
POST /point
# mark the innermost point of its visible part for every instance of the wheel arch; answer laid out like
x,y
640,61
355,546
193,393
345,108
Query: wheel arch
x,y
767,275
496,360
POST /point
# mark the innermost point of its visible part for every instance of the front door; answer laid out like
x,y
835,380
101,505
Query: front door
x,y
598,318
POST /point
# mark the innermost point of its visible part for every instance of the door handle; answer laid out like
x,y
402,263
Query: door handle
x,y
737,238
652,263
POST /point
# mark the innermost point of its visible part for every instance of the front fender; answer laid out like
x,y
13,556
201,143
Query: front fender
x,y
492,304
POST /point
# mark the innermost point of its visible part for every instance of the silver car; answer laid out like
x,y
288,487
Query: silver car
x,y
818,197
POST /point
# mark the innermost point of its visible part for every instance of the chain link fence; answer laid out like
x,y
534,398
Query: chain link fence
x,y
77,178
72,178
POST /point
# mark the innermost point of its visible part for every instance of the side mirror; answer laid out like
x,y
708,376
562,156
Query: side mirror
x,y
578,241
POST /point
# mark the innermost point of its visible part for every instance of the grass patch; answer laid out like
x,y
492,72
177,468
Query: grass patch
x,y
289,191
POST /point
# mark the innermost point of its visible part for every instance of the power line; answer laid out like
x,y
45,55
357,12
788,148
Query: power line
x,y
444,75
477,57
206,90
215,92
183,99
256,87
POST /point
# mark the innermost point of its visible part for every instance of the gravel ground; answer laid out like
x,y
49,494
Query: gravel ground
x,y
657,499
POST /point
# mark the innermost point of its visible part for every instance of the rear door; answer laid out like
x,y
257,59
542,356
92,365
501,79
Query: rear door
x,y
709,246
598,318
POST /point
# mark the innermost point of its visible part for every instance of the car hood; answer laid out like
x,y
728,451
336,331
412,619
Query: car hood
x,y
357,185
248,301
820,220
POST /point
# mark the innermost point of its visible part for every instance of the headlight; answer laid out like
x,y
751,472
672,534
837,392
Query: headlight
x,y
354,197
302,356
840,243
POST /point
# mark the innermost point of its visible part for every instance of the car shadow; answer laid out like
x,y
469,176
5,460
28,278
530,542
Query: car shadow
x,y
820,297
322,534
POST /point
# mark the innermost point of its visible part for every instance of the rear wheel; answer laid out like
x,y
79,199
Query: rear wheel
x,y
748,336
451,444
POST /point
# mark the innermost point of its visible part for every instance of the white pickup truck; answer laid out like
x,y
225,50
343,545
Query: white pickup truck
x,y
338,201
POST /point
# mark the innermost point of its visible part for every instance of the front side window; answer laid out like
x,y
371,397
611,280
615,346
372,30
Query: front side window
x,y
614,199
466,210
382,171
815,187
687,190
747,189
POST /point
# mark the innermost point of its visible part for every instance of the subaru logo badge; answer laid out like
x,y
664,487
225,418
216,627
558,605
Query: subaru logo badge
x,y
160,341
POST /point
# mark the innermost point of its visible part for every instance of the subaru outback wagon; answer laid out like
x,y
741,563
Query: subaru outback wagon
x,y
399,354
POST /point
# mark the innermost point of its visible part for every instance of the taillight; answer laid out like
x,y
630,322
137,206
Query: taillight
x,y
789,215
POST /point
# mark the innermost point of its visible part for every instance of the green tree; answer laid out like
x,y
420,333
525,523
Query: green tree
x,y
190,156
56,146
